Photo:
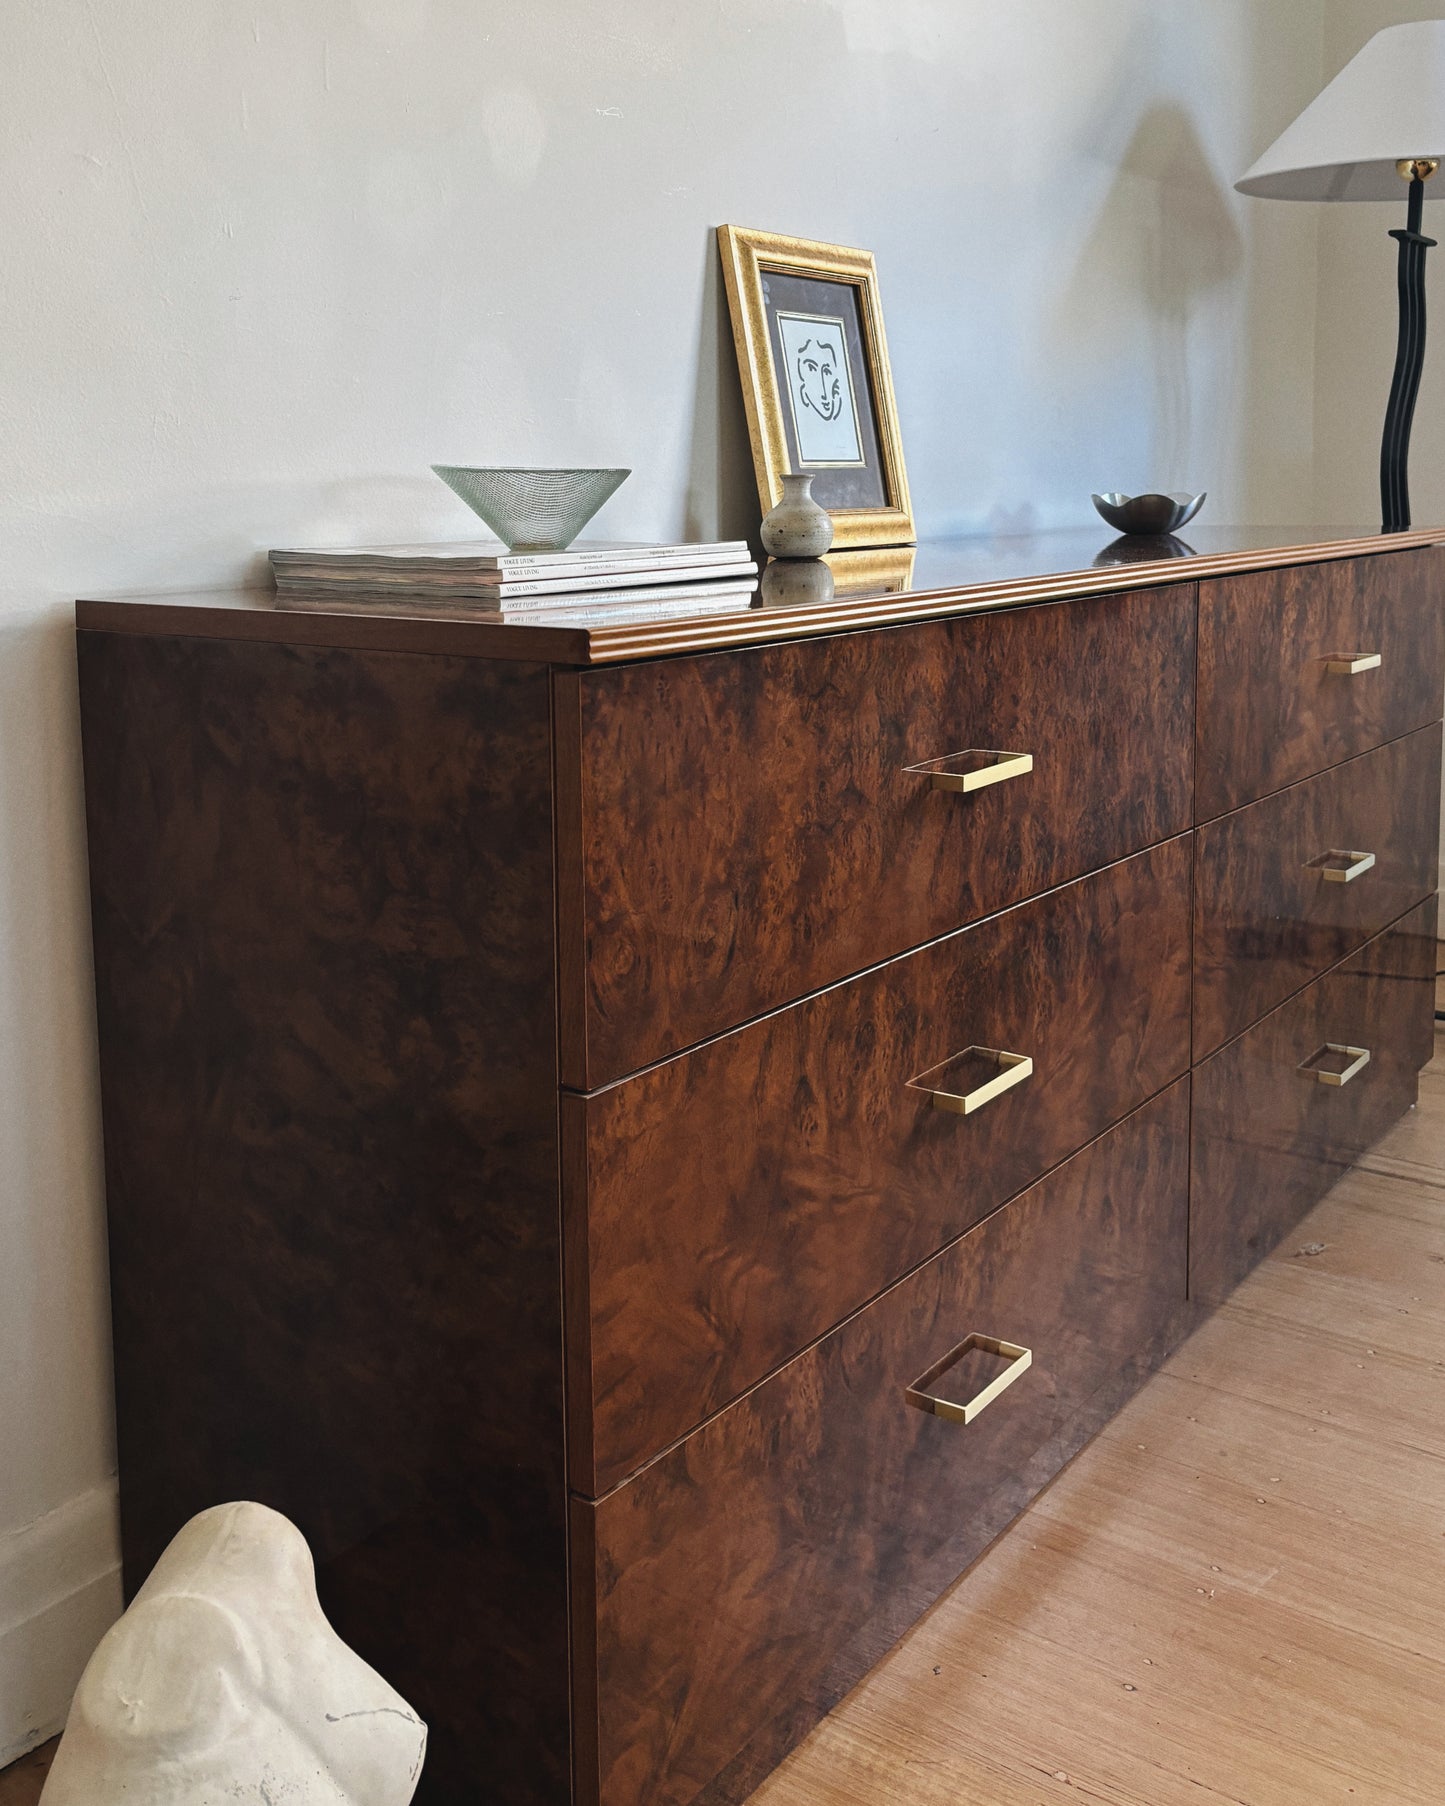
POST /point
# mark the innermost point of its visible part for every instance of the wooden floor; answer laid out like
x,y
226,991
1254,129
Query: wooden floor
x,y
1236,1594
20,1785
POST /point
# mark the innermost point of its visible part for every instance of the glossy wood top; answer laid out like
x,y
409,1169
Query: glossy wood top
x,y
872,589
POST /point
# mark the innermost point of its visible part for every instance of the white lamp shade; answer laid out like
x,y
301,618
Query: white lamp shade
x,y
1386,104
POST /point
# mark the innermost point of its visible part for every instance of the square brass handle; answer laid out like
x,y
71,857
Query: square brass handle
x,y
1354,665
1341,866
1336,1063
922,1399
991,1070
975,769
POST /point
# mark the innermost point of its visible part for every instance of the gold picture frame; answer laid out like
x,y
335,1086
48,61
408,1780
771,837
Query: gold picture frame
x,y
860,479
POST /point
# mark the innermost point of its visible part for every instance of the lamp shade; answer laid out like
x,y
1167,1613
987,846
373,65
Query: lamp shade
x,y
1387,103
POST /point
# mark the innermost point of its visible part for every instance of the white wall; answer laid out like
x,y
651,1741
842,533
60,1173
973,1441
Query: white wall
x,y
263,263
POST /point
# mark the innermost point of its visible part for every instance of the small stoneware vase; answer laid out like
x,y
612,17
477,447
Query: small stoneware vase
x,y
797,527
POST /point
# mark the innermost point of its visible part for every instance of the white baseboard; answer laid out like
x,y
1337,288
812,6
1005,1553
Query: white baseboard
x,y
59,1594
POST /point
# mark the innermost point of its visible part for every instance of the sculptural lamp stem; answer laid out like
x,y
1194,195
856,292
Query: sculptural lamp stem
x,y
1409,354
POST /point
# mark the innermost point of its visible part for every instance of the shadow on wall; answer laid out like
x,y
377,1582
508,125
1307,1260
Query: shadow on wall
x,y
1165,240
722,499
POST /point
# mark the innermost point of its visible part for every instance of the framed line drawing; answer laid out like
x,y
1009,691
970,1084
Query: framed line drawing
x,y
816,382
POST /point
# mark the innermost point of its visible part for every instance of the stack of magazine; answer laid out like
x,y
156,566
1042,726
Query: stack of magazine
x,y
593,580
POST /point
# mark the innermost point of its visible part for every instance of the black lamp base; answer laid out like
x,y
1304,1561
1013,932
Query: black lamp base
x,y
1409,362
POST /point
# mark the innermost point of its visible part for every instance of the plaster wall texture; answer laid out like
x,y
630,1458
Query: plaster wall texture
x,y
265,262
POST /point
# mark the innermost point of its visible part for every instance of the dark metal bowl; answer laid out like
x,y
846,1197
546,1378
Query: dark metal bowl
x,y
1151,514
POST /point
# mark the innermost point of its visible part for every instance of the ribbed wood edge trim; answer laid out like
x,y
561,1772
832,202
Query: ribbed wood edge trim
x,y
471,637
655,639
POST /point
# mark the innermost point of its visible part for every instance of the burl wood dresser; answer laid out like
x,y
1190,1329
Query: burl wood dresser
x,y
593,1116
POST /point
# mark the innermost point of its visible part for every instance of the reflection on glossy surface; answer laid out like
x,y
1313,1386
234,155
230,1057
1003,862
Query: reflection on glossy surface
x,y
1268,920
1268,1142
794,582
985,560
876,570
863,571
1139,548
963,563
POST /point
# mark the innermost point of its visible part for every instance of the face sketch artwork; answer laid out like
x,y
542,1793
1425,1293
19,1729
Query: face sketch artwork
x,y
817,376
819,385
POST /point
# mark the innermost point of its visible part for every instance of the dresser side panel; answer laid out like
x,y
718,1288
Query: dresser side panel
x,y
571,892
324,945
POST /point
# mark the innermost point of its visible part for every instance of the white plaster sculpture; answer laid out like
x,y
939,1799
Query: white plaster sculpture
x,y
223,1685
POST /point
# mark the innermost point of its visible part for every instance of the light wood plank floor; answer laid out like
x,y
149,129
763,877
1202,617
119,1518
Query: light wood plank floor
x,y
1235,1595
20,1784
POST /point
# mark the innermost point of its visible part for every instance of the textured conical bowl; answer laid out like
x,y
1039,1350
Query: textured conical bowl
x,y
1148,513
532,510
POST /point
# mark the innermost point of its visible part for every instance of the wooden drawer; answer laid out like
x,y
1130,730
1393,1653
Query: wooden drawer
x,y
1271,710
1268,1138
729,1595
738,830
1279,893
728,1207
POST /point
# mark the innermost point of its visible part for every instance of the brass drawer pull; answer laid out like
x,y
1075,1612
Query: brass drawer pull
x,y
918,1395
973,770
1352,667
1006,1069
1341,866
1325,1071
